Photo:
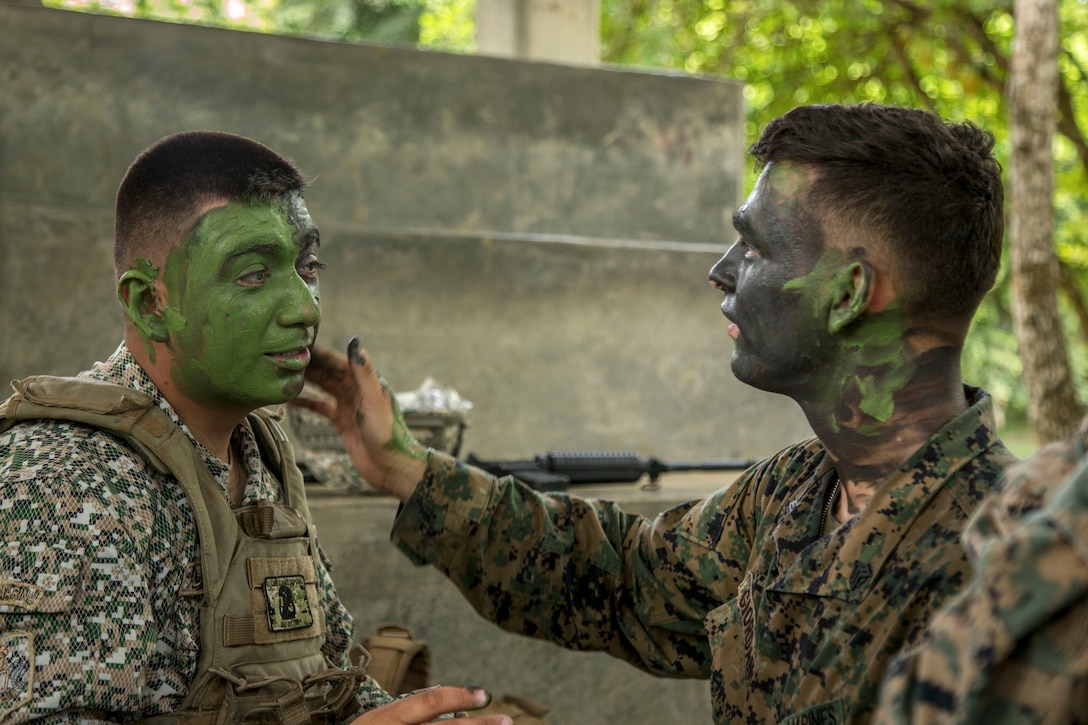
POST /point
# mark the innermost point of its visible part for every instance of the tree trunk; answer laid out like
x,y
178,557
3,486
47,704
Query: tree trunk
x,y
1033,100
1071,286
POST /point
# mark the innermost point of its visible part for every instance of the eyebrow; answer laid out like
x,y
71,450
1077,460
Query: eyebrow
x,y
742,224
311,240
258,248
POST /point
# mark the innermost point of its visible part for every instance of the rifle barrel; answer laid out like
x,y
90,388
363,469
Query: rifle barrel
x,y
554,469
738,464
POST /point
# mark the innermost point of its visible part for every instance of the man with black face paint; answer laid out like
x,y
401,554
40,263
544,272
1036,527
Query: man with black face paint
x,y
159,563
862,254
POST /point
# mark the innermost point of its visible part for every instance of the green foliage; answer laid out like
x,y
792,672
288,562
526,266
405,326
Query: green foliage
x,y
944,55
438,24
449,25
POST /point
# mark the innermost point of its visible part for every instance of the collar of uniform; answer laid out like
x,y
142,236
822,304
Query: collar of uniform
x,y
846,563
121,368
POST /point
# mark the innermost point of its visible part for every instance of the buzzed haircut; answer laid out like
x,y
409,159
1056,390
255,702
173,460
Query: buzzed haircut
x,y
167,187
931,189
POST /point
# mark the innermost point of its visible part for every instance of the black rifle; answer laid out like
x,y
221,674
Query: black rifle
x,y
557,470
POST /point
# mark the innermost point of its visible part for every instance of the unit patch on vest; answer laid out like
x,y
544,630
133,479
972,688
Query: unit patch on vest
x,y
16,671
192,581
287,605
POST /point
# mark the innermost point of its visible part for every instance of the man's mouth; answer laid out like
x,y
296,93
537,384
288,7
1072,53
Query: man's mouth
x,y
733,330
293,359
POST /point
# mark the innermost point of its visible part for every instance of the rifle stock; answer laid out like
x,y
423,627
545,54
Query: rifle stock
x,y
558,470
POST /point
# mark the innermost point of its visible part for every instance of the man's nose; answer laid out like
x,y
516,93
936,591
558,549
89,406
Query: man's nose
x,y
300,305
723,274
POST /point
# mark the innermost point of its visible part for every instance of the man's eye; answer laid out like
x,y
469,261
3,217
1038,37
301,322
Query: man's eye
x,y
254,279
309,267
750,252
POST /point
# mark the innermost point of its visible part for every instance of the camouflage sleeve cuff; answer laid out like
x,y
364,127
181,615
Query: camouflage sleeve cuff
x,y
449,501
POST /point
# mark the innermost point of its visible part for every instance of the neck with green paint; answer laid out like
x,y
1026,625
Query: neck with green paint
x,y
895,388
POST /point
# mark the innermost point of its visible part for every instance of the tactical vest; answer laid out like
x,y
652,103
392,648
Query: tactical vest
x,y
261,620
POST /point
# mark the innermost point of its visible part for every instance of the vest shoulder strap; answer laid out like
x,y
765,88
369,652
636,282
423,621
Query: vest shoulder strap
x,y
147,429
279,455
93,402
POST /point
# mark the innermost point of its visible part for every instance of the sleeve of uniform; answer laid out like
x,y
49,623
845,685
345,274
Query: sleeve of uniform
x,y
340,627
1013,647
76,623
580,573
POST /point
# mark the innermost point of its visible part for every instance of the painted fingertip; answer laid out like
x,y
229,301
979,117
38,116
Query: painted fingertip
x,y
481,696
353,351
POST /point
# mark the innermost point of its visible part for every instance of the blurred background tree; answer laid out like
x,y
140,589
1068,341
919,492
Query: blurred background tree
x,y
951,56
1032,96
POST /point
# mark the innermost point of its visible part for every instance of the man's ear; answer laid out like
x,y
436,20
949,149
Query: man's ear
x,y
140,299
853,288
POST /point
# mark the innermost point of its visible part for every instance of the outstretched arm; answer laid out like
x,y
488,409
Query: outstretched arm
x,y
368,419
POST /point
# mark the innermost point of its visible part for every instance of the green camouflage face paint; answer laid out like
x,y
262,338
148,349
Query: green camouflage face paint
x,y
883,363
147,269
140,281
874,347
243,304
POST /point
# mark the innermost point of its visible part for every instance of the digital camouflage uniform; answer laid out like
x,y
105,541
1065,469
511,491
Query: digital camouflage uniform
x,y
790,626
1013,648
87,521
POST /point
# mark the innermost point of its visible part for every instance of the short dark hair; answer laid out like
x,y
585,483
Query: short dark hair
x,y
932,189
165,190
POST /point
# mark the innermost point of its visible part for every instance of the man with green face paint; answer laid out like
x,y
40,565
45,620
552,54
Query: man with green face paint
x,y
159,562
862,253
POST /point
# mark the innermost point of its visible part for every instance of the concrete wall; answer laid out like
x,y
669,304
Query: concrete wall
x,y
536,236
566,31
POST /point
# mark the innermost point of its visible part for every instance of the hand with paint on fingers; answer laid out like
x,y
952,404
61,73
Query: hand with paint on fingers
x,y
425,706
368,419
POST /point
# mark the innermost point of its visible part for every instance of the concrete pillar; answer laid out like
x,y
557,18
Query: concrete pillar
x,y
563,31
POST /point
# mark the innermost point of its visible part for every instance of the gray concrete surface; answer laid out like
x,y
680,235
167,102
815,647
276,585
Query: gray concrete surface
x,y
565,31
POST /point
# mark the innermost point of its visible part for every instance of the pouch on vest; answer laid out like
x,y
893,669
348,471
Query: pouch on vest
x,y
399,662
